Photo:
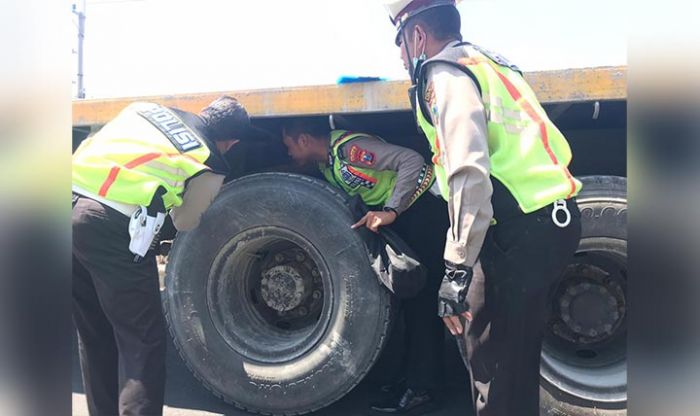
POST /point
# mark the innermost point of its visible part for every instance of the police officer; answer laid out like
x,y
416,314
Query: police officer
x,y
149,158
391,180
502,166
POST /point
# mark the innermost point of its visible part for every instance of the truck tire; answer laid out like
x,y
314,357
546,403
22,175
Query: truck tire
x,y
271,301
584,368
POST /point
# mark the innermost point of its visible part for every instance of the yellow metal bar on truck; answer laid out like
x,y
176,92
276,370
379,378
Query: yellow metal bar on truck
x,y
570,85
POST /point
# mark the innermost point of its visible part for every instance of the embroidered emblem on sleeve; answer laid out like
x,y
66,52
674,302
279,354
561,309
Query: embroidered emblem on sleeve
x,y
360,155
430,93
431,100
354,178
425,180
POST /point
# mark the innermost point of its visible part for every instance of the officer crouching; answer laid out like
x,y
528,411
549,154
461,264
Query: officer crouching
x,y
393,181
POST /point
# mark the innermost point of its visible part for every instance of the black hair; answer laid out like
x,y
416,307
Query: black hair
x,y
443,22
226,119
314,126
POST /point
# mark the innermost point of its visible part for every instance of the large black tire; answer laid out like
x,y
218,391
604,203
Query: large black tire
x,y
584,354
271,301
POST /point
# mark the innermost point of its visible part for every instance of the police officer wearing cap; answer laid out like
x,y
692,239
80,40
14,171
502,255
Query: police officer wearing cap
x,y
147,161
502,166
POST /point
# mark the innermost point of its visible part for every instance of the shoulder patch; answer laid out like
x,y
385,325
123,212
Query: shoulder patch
x,y
430,99
359,155
430,94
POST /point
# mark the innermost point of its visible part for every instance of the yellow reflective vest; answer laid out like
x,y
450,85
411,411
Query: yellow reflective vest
x,y
528,154
146,147
374,187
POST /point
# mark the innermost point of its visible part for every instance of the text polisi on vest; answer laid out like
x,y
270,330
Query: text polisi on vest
x,y
171,126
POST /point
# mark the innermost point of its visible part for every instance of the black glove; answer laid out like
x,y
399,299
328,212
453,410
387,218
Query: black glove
x,y
453,290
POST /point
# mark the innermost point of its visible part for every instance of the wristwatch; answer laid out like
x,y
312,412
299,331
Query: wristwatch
x,y
390,209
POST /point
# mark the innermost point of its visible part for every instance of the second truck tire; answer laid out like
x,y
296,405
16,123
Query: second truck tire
x,y
584,366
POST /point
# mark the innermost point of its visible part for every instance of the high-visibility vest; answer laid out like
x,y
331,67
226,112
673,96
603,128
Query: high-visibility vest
x,y
374,187
146,147
527,153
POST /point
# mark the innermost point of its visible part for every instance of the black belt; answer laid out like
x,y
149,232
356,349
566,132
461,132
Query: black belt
x,y
506,208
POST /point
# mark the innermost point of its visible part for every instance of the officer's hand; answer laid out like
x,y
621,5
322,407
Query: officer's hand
x,y
452,296
375,219
454,323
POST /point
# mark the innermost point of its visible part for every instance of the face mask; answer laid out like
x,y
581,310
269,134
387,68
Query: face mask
x,y
417,60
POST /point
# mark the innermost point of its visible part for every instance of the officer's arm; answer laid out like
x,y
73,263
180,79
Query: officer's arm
x,y
459,117
199,193
375,154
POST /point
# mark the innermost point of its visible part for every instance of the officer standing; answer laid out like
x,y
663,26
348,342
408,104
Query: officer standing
x,y
502,166
147,161
391,180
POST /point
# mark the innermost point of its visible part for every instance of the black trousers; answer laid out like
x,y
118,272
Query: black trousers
x,y
519,262
118,315
423,335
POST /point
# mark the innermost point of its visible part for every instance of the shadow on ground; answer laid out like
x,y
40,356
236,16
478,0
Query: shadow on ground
x,y
186,397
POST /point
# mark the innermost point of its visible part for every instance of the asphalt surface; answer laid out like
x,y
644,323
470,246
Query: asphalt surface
x,y
184,395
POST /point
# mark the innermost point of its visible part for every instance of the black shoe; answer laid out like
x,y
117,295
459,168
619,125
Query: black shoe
x,y
393,390
409,403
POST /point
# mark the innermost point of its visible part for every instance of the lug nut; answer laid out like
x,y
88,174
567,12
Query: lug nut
x,y
566,317
303,311
300,257
316,294
314,272
279,258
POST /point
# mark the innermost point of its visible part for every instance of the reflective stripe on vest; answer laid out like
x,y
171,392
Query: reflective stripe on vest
x,y
132,156
374,187
528,154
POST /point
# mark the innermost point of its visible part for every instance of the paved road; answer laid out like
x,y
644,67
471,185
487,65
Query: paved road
x,y
186,397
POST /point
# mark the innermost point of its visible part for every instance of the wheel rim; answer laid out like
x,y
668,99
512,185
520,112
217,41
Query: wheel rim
x,y
269,295
584,349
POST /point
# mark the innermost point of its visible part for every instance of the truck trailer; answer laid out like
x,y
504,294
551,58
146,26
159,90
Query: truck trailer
x,y
273,305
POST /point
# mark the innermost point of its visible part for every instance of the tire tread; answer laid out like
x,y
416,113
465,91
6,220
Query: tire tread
x,y
375,356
